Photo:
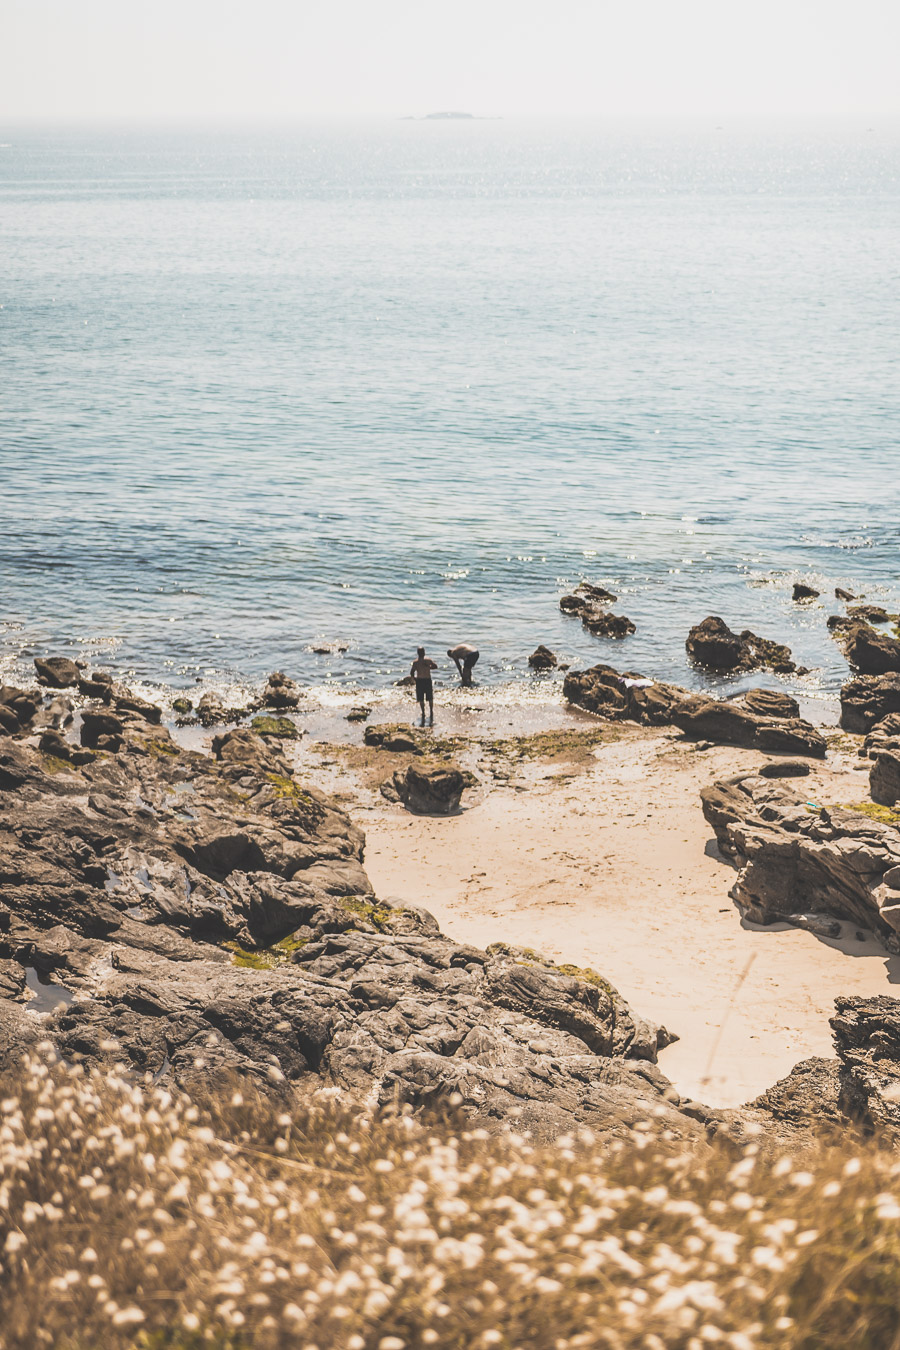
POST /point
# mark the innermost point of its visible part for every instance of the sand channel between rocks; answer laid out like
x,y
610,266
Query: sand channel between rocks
x,y
614,867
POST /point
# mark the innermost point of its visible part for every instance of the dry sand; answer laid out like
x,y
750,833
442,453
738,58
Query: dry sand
x,y
610,864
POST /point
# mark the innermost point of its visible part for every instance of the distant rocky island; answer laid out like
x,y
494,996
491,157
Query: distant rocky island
x,y
448,117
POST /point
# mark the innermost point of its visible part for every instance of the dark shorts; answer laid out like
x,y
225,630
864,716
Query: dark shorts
x,y
424,689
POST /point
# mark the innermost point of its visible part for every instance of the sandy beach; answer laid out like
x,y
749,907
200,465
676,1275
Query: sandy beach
x,y
599,855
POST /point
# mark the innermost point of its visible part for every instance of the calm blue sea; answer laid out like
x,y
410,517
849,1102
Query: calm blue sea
x,y
388,384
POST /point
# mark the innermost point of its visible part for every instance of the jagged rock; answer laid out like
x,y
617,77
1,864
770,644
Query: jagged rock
x,y
771,703
841,594
56,671
730,723
53,743
867,1038
586,597
182,706
97,722
393,736
884,776
281,691
542,658
871,613
602,623
201,915
127,702
210,711
98,685
882,735
795,861
18,708
622,697
804,592
713,645
809,1095
868,699
871,653
427,791
839,625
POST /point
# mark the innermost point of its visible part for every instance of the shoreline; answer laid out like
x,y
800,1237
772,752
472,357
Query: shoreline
x,y
584,840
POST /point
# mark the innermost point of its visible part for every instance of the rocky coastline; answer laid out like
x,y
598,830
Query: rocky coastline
x,y
197,912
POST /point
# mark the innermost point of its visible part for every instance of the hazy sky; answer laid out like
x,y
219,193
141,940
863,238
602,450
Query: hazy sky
x,y
298,58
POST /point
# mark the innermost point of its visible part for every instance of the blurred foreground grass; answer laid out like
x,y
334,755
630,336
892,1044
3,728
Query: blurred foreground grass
x,y
132,1219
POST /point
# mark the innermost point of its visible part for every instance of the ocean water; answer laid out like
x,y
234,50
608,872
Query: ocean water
x,y
371,386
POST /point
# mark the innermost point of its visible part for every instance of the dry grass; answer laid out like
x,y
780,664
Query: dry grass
x,y
129,1218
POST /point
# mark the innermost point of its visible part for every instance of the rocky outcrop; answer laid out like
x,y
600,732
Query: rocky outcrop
x,y
588,603
884,776
803,592
771,703
731,723
622,697
584,597
632,697
602,623
872,614
867,1038
804,864
427,791
189,915
280,692
868,699
871,652
713,645
58,672
18,708
542,658
396,737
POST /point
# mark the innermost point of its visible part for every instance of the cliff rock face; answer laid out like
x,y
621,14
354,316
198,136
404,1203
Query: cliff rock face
x,y
191,915
806,865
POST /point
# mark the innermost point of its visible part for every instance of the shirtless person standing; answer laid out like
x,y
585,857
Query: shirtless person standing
x,y
465,658
421,668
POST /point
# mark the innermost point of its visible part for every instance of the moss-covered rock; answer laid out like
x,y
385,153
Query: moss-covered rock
x,y
276,726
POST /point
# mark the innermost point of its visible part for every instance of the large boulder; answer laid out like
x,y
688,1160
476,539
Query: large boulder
x,y
394,736
731,723
602,623
870,652
867,1039
585,597
427,791
18,708
542,658
884,776
868,699
803,864
771,703
622,697
714,646
281,691
58,672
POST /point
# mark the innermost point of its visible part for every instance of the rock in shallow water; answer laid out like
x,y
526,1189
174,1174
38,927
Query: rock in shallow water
x,y
713,645
56,671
